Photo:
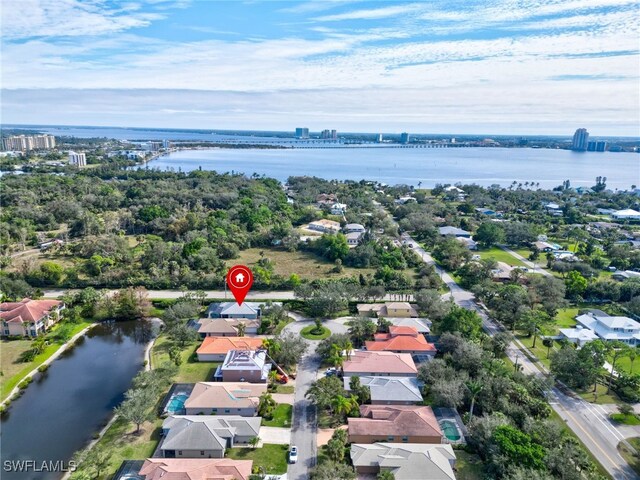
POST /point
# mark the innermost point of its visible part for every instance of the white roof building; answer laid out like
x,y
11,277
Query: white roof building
x,y
626,214
611,328
578,335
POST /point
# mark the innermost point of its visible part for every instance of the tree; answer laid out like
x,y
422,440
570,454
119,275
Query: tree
x,y
548,292
385,475
532,321
474,388
336,445
344,405
136,408
175,355
182,334
254,441
466,322
95,461
241,328
361,330
616,350
509,304
489,233
131,303
266,406
331,470
547,342
430,303
363,392
290,351
332,247
451,253
576,284
324,390
472,273
518,447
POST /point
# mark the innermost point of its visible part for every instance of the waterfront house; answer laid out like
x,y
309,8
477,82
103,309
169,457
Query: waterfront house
x,y
226,327
194,469
250,310
225,398
380,364
610,328
401,340
206,436
406,461
29,318
325,226
395,423
244,366
390,390
215,349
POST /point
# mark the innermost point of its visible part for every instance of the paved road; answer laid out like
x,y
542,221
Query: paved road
x,y
304,428
533,266
589,422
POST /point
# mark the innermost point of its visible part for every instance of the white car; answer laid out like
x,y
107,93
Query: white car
x,y
293,455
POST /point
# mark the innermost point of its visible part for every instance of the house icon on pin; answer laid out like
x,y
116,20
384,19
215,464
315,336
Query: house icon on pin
x,y
240,278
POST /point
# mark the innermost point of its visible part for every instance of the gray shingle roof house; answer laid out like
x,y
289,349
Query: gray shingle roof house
x,y
407,461
390,390
249,310
206,436
422,325
453,232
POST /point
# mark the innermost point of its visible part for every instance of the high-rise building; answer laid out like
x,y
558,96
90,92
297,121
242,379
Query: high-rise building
x,y
334,134
166,144
379,138
24,143
580,140
302,132
404,137
77,159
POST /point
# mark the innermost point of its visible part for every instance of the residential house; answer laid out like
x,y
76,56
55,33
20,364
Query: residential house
x,y
488,212
395,423
194,469
468,242
354,238
247,310
338,209
380,364
354,227
206,436
325,226
610,328
553,209
623,275
544,246
406,461
244,366
422,325
626,214
390,390
226,327
502,273
389,309
225,398
578,335
401,340
450,231
29,318
405,199
215,349
326,199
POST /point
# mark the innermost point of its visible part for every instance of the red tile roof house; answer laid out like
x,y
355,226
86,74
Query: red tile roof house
x,y
29,317
401,340
381,364
215,349
195,469
395,423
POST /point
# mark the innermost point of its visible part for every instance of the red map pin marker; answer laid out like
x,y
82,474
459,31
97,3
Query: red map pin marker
x,y
239,280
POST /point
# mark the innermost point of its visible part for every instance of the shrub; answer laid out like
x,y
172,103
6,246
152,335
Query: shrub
x,y
25,383
43,368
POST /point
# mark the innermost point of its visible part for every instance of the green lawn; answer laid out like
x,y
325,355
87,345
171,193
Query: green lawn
x,y
284,389
281,325
628,419
631,458
309,334
468,466
499,255
566,317
191,370
124,444
13,371
601,397
281,416
624,365
271,457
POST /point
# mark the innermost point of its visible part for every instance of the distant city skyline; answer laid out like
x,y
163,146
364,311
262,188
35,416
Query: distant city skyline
x,y
493,67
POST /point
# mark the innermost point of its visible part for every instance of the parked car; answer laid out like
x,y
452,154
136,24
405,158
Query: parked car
x,y
330,372
293,455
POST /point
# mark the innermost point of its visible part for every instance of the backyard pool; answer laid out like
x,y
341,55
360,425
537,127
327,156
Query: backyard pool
x,y
176,403
450,430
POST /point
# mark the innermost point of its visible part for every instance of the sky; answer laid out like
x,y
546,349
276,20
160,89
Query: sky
x,y
452,66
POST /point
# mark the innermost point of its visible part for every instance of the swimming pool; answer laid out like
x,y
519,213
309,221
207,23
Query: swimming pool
x,y
176,403
450,430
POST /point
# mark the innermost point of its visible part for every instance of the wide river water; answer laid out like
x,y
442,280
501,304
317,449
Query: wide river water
x,y
482,166
59,412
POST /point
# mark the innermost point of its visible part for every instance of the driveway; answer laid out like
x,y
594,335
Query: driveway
x,y
281,436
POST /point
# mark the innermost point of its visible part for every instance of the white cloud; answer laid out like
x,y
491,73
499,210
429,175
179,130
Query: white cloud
x,y
372,14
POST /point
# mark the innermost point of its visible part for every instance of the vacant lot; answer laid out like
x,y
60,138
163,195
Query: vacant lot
x,y
499,255
304,264
190,371
271,457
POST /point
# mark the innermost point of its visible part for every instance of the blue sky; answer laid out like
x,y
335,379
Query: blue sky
x,y
499,66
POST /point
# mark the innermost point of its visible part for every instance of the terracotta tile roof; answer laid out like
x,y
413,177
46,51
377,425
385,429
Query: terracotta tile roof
x,y
400,339
225,395
222,345
196,469
379,362
403,420
26,311
393,330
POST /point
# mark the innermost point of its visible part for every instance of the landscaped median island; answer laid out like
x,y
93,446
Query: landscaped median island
x,y
313,332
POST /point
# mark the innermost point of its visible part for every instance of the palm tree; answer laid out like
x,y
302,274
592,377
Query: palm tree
x,y
617,350
241,327
254,441
474,388
633,353
344,405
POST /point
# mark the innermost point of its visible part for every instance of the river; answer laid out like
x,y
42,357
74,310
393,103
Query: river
x,y
482,166
61,410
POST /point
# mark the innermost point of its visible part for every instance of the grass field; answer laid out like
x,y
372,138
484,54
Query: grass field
x,y
304,264
309,333
281,416
468,466
191,370
13,371
499,255
625,365
631,458
628,419
124,444
271,457
566,317
284,389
